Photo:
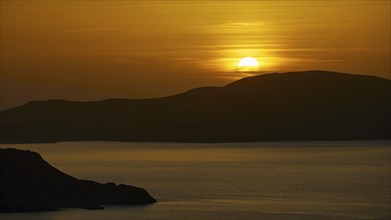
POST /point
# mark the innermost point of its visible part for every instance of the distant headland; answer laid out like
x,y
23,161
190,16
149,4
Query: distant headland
x,y
308,105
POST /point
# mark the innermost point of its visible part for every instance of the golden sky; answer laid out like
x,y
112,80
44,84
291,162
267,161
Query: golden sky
x,y
90,50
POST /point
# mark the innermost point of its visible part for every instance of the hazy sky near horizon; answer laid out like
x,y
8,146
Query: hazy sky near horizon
x,y
90,50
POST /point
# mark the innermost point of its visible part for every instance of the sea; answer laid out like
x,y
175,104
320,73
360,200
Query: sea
x,y
268,180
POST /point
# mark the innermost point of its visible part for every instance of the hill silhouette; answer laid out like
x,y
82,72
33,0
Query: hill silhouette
x,y
310,105
28,183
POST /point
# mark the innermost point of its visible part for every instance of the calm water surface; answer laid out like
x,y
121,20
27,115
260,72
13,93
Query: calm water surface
x,y
284,180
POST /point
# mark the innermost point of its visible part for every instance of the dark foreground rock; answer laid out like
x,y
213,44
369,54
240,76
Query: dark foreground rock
x,y
29,183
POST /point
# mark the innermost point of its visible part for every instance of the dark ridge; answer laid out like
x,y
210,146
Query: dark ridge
x,y
310,105
28,183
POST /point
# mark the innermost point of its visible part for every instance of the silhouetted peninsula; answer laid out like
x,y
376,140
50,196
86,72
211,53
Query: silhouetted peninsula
x,y
28,183
310,105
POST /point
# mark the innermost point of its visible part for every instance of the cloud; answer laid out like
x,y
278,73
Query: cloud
x,y
90,29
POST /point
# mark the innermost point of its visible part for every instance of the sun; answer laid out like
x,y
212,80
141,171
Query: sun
x,y
248,64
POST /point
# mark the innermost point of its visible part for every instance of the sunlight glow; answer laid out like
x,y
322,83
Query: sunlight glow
x,y
248,64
